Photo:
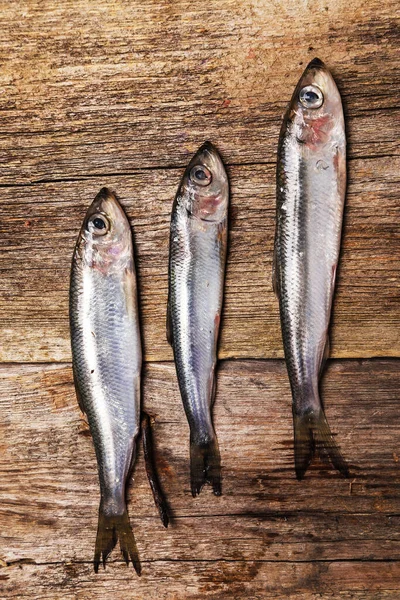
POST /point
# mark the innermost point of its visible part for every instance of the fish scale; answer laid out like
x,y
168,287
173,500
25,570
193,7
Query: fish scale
x,y
311,180
198,241
107,357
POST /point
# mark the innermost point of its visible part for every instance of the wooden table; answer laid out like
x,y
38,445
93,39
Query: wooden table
x,y
121,94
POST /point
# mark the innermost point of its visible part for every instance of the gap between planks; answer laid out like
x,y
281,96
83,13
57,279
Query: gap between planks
x,y
88,176
31,561
67,363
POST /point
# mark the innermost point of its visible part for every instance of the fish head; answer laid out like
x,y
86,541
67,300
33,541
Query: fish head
x,y
105,240
204,190
316,108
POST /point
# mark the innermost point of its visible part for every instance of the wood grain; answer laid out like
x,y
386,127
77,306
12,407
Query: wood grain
x,y
109,87
220,580
122,94
39,225
267,534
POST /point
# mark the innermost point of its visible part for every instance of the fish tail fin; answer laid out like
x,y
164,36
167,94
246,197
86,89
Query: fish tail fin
x,y
112,528
312,434
205,465
151,471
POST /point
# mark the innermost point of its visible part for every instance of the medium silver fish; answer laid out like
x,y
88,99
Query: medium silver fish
x,y
198,246
107,360
311,185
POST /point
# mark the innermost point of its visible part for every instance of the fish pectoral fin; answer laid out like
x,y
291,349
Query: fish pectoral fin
x,y
213,385
325,356
80,403
205,465
151,471
313,435
112,528
78,396
169,324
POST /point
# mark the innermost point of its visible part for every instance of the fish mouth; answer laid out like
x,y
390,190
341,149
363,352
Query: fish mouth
x,y
316,63
208,156
102,199
318,74
106,203
104,193
207,148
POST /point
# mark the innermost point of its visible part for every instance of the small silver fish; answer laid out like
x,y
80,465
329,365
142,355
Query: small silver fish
x,y
107,360
311,186
198,246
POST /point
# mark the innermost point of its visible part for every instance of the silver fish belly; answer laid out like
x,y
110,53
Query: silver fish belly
x,y
107,358
198,244
311,183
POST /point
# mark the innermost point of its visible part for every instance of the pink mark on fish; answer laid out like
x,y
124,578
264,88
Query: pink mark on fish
x,y
316,132
114,250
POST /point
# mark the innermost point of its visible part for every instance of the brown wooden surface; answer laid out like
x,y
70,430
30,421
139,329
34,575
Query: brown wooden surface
x,y
121,94
108,87
267,532
39,226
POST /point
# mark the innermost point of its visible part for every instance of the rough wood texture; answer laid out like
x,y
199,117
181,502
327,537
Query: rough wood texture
x,y
39,226
121,93
220,580
267,532
109,87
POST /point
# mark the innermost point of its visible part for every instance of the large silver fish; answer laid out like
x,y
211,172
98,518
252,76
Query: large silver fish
x,y
311,185
198,245
107,360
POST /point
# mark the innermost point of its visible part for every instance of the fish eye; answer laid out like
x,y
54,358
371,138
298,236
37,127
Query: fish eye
x,y
311,97
200,175
98,224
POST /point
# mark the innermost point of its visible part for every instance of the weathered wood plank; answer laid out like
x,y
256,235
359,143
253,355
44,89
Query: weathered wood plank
x,y
39,226
121,94
110,87
220,580
49,493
